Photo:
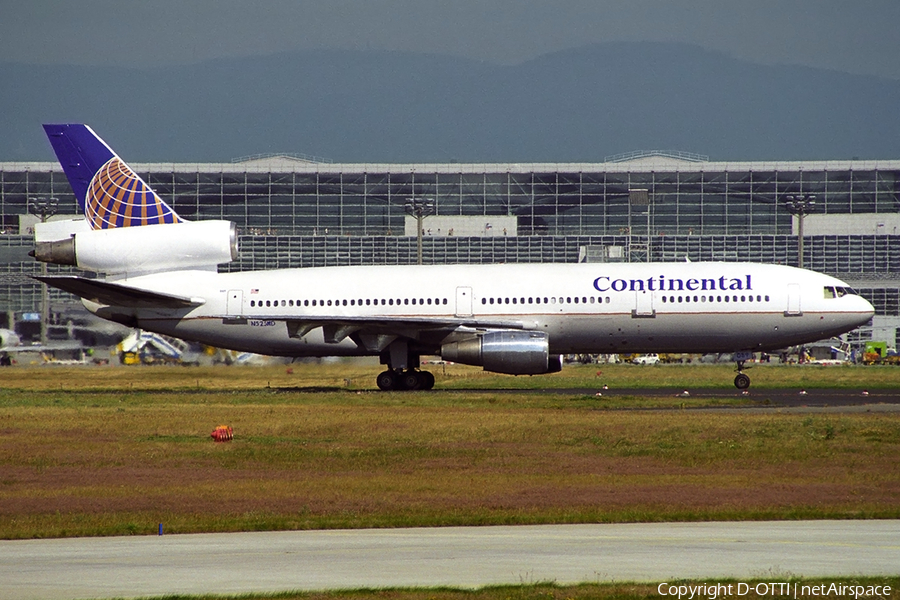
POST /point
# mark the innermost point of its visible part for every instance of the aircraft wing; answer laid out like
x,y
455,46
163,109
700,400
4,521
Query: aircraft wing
x,y
376,333
114,294
51,347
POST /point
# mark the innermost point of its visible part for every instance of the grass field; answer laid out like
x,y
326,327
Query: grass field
x,y
360,375
108,451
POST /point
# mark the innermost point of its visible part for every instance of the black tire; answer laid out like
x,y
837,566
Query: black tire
x,y
386,381
742,381
411,380
427,380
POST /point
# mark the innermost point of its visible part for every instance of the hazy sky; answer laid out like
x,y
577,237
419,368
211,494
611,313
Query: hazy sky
x,y
859,36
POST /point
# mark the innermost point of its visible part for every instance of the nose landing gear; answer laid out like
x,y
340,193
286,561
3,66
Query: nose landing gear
x,y
742,380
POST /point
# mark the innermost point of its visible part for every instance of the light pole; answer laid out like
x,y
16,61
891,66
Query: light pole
x,y
44,208
420,208
800,205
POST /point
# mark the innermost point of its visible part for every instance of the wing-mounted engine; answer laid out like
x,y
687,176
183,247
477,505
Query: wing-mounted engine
x,y
148,249
511,352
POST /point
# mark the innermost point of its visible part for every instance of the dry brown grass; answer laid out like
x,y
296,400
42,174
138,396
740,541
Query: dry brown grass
x,y
126,459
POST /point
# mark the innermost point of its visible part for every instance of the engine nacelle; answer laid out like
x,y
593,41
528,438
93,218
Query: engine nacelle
x,y
8,338
145,249
511,352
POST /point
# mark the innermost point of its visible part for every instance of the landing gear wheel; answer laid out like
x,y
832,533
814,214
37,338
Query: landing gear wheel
x,y
742,381
427,380
411,380
386,381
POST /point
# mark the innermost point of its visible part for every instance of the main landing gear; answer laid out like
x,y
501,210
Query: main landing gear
x,y
401,373
411,379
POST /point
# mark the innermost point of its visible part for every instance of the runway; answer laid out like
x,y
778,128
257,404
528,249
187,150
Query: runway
x,y
454,556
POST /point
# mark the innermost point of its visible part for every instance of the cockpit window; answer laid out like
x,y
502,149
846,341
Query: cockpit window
x,y
838,292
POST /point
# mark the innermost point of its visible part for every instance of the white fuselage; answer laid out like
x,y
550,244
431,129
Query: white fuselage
x,y
583,308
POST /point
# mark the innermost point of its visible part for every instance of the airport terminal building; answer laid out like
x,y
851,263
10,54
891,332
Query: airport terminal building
x,y
299,212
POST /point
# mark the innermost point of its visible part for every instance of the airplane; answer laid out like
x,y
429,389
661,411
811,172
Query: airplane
x,y
11,343
158,272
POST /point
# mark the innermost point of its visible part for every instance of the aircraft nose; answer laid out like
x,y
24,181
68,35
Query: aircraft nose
x,y
866,310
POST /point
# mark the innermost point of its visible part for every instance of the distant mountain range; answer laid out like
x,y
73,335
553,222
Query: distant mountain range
x,y
371,106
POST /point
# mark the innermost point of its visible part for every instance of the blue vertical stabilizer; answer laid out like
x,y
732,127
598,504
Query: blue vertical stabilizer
x,y
109,193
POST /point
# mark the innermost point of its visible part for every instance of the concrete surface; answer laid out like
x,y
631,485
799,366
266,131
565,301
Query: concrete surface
x,y
453,556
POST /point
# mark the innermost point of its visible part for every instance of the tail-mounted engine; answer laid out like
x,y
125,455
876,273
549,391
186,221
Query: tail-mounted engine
x,y
511,352
147,249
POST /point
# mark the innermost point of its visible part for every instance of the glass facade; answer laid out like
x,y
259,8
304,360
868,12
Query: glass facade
x,y
557,200
296,213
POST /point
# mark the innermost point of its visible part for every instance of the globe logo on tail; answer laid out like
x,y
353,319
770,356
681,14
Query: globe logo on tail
x,y
117,197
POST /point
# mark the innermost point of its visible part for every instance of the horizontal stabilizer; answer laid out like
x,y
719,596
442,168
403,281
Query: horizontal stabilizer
x,y
115,294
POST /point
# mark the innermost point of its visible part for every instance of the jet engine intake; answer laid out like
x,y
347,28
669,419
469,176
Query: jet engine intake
x,y
510,352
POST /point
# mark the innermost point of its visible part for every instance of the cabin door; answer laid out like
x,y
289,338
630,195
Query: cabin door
x,y
793,303
234,307
463,302
643,305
